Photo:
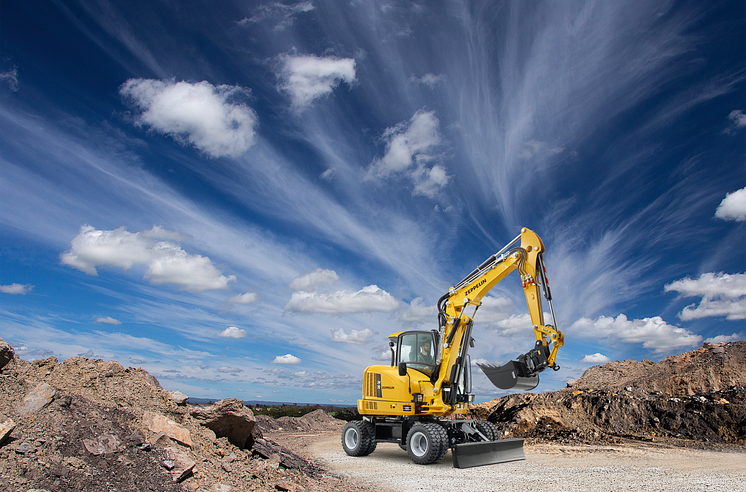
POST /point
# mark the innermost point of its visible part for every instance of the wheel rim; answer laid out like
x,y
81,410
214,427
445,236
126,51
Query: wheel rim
x,y
418,444
351,438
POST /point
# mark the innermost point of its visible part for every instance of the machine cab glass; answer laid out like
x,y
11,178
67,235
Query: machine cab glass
x,y
417,349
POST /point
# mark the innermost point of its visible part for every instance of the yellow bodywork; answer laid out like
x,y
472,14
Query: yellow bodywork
x,y
386,393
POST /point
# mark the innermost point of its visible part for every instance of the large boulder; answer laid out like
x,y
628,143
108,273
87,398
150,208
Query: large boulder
x,y
156,423
6,353
228,418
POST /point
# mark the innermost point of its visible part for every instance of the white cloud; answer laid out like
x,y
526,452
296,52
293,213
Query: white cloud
x,y
596,359
417,312
247,298
286,13
232,332
229,370
515,323
494,310
287,359
309,77
309,281
18,289
108,320
410,147
166,262
726,338
358,337
653,333
738,118
429,79
537,149
11,78
733,206
722,295
205,116
368,299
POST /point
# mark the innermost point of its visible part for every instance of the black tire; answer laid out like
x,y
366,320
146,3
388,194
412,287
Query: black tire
x,y
425,443
358,438
488,429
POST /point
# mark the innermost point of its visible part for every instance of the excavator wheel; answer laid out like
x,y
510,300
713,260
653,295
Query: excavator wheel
x,y
488,429
358,438
425,443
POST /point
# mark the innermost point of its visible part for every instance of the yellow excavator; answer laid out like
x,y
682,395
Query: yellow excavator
x,y
421,399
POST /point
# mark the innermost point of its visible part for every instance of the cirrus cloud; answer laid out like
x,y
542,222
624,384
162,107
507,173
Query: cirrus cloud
x,y
166,262
309,281
206,116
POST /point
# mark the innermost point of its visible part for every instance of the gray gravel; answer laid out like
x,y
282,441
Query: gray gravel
x,y
547,468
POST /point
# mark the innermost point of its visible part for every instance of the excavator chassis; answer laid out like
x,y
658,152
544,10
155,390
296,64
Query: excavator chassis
x,y
472,443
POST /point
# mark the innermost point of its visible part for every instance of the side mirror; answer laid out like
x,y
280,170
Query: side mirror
x,y
402,369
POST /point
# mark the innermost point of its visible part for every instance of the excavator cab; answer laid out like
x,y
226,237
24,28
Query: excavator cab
x,y
416,350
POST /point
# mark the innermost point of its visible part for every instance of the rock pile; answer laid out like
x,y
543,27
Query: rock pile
x,y
692,398
96,426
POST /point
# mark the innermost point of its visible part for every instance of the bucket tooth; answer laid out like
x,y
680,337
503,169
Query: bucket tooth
x,y
470,454
507,376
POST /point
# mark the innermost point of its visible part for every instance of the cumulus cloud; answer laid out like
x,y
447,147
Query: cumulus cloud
x,y
358,337
232,332
723,295
733,206
653,333
11,78
166,262
200,114
276,11
247,298
410,149
596,359
737,119
726,338
108,321
16,289
429,79
368,299
286,359
309,281
309,77
417,312
494,310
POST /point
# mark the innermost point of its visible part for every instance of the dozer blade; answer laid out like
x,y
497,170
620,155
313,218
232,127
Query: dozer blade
x,y
507,376
472,454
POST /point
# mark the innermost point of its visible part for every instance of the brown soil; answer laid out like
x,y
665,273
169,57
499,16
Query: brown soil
x,y
46,450
692,399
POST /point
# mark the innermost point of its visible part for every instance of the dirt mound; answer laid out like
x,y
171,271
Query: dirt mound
x,y
692,398
318,420
96,426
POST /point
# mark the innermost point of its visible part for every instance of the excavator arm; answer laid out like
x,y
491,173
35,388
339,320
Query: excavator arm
x,y
455,324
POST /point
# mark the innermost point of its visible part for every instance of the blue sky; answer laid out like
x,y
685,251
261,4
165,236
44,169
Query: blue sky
x,y
246,198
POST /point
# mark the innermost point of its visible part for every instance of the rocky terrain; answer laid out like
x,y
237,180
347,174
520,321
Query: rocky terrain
x,y
96,426
696,398
93,425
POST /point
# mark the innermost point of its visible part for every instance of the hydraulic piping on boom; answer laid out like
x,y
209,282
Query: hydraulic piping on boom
x,y
414,401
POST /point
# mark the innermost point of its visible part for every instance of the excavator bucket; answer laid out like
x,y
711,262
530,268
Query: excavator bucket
x,y
508,376
472,454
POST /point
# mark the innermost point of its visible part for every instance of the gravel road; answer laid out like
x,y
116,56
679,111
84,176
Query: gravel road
x,y
547,467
